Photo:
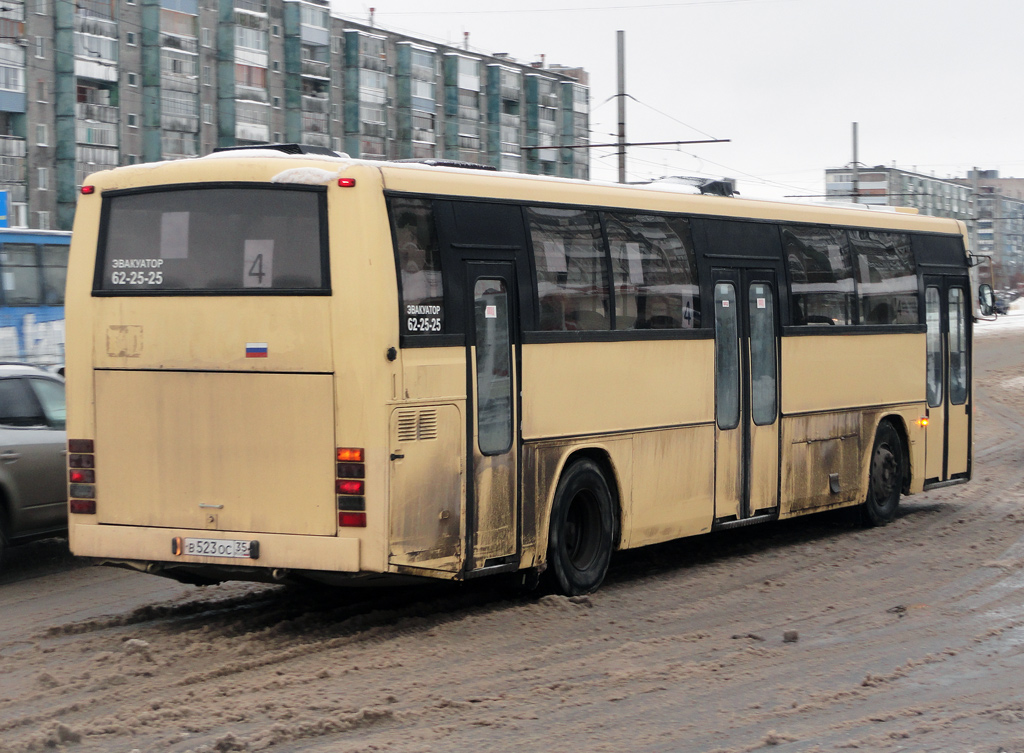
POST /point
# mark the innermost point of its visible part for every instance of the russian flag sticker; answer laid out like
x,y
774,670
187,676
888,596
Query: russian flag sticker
x,y
255,350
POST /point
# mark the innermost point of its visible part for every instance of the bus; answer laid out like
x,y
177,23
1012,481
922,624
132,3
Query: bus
x,y
300,366
33,266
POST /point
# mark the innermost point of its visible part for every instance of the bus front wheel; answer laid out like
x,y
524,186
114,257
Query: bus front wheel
x,y
885,478
581,536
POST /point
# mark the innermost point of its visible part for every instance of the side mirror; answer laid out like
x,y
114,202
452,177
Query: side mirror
x,y
986,299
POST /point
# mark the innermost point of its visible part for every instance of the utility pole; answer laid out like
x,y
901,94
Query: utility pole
x,y
856,172
621,35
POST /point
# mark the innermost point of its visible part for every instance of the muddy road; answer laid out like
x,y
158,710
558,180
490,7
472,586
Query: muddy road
x,y
804,636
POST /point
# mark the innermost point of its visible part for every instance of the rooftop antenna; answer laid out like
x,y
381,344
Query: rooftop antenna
x,y
372,10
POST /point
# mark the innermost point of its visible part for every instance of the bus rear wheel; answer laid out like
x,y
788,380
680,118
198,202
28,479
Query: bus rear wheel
x,y
885,477
581,536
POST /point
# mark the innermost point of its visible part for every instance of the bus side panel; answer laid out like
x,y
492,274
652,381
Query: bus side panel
x,y
814,447
833,373
543,463
673,484
576,389
427,500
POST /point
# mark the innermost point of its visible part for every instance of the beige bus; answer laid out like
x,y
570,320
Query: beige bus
x,y
286,366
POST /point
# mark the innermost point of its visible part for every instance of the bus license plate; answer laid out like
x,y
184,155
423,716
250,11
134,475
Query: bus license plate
x,y
217,548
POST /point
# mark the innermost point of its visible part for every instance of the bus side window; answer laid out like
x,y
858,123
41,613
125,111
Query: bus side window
x,y
820,275
419,266
55,272
886,277
21,278
654,271
572,280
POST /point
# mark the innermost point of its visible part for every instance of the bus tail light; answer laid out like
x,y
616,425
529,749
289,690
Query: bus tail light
x,y
350,454
351,487
81,477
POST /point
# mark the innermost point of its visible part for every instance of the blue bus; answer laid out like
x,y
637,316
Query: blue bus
x,y
33,268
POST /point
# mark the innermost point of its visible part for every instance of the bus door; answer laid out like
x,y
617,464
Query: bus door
x,y
492,357
746,394
947,444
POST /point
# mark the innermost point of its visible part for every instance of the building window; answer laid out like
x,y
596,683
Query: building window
x,y
44,220
132,159
42,7
130,38
133,120
41,139
43,178
206,36
40,47
41,91
133,79
207,113
277,102
276,65
276,30
207,76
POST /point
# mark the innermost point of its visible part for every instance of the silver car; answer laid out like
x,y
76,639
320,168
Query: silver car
x,y
33,475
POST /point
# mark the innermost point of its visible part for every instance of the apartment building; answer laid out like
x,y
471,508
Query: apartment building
x,y
992,207
86,85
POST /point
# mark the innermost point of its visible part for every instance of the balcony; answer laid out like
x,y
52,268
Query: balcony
x,y
12,146
252,132
315,104
101,134
100,113
185,123
316,69
378,130
316,139
184,44
179,83
97,26
12,169
256,6
253,93
424,135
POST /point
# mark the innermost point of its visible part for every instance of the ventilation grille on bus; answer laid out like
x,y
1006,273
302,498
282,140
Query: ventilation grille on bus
x,y
416,425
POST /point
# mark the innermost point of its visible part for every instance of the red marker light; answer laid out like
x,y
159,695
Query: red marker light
x,y
347,182
352,519
350,487
88,190
85,506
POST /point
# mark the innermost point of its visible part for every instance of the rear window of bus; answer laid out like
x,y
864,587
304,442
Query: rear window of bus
x,y
226,239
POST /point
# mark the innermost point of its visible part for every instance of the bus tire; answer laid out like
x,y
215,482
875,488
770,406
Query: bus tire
x,y
885,477
581,536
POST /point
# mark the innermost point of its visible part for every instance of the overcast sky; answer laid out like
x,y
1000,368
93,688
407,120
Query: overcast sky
x,y
935,85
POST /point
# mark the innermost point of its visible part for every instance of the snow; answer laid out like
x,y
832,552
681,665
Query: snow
x,y
1005,324
312,176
